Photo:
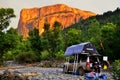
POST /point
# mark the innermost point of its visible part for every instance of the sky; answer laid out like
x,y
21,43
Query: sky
x,y
96,6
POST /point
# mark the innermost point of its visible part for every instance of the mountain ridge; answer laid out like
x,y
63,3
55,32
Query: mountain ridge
x,y
36,17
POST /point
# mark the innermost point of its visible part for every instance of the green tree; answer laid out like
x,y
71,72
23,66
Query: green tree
x,y
46,36
117,42
57,37
116,69
46,27
2,46
5,15
12,41
52,39
73,36
93,35
45,41
94,29
108,37
35,40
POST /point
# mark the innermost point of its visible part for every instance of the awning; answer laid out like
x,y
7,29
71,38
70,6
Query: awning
x,y
86,47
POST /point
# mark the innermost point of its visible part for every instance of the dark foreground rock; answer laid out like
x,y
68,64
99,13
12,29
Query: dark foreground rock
x,y
12,75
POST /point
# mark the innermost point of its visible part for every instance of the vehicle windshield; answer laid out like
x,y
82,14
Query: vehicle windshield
x,y
83,58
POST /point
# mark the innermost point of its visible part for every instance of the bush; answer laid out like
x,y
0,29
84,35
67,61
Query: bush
x,y
45,55
60,55
8,56
116,69
26,57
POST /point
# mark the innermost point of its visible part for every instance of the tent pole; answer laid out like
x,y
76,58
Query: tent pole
x,y
74,63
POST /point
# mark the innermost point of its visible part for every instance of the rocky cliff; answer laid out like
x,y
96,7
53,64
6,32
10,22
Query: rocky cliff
x,y
36,17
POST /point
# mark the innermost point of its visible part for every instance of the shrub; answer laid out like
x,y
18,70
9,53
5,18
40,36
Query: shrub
x,y
8,56
45,55
26,57
60,55
116,69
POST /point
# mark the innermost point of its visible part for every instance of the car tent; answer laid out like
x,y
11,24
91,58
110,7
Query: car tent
x,y
86,47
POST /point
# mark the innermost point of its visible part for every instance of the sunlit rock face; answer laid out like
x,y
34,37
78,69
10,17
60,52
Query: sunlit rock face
x,y
36,17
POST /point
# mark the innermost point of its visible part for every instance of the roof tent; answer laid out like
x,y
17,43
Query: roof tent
x,y
86,47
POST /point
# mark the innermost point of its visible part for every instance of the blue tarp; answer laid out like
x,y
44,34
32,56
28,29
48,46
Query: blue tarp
x,y
86,47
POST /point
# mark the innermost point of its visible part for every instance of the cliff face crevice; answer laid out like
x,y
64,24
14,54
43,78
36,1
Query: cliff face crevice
x,y
36,17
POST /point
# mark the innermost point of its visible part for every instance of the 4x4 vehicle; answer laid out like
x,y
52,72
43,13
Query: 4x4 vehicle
x,y
82,58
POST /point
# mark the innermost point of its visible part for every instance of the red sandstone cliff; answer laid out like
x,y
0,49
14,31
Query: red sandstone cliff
x,y
36,17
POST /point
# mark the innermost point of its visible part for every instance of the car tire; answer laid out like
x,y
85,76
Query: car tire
x,y
81,71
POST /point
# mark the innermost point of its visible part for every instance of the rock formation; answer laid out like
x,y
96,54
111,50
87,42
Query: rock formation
x,y
36,17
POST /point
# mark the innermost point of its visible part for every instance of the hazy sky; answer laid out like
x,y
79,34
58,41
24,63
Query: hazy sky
x,y
96,6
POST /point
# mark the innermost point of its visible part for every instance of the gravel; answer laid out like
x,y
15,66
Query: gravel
x,y
50,73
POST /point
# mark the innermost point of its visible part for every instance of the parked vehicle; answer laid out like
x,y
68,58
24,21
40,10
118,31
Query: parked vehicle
x,y
82,58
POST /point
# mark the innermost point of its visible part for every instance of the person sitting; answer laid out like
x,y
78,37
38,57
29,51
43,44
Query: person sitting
x,y
92,75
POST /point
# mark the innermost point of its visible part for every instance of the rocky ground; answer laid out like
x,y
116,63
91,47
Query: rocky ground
x,y
40,73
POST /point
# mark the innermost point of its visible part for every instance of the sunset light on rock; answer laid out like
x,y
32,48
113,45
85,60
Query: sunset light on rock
x,y
36,17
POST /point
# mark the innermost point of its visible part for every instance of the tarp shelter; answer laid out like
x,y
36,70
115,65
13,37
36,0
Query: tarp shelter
x,y
86,47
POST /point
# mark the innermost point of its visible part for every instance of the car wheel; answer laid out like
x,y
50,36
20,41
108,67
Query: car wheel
x,y
81,71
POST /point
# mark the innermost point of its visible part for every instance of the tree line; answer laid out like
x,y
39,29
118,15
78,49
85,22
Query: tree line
x,y
101,30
